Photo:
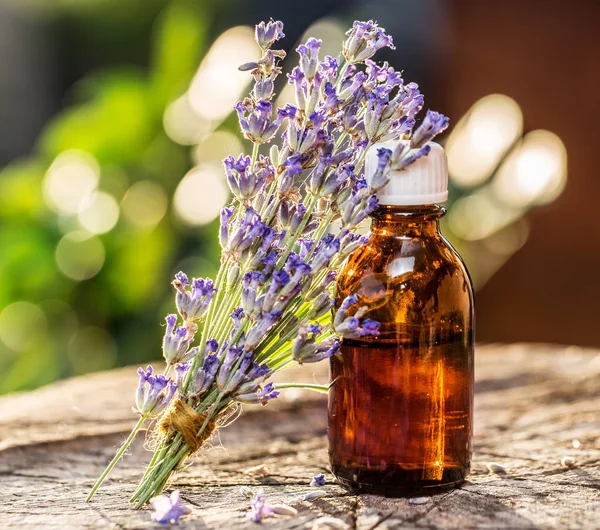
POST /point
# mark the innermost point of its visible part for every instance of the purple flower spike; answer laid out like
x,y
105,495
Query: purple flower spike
x,y
264,323
266,34
380,177
412,156
309,57
181,370
433,124
168,509
154,393
364,39
351,327
309,348
240,374
246,184
262,396
256,120
176,342
205,376
192,305
329,68
326,250
233,353
182,277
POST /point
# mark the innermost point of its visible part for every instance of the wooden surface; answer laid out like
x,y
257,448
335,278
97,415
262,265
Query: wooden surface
x,y
531,403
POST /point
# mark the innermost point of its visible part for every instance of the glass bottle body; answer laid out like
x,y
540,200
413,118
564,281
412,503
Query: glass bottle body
x,y
400,409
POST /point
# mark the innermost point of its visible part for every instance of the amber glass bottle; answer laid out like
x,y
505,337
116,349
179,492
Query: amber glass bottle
x,y
400,408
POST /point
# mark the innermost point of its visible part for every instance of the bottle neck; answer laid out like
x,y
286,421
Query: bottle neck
x,y
410,221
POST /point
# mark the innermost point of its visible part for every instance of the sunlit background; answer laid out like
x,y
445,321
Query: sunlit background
x,y
115,116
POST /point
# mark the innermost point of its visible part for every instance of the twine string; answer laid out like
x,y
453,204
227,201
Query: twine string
x,y
182,418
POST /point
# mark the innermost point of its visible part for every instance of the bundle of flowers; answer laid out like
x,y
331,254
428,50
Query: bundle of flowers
x,y
272,302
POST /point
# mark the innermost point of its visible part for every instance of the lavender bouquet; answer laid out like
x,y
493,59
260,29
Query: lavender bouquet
x,y
271,303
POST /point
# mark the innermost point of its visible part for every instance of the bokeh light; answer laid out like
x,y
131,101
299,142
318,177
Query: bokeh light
x,y
99,213
91,349
79,255
218,84
481,138
216,146
535,172
144,204
70,180
200,195
182,124
479,215
22,324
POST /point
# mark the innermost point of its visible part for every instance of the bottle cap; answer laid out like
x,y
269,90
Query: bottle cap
x,y
425,181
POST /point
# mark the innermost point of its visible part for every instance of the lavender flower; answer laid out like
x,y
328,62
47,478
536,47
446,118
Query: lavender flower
x,y
205,376
433,124
259,509
309,57
243,182
267,33
412,156
320,306
250,283
306,349
193,305
226,215
264,323
241,237
232,355
168,509
352,328
181,371
240,373
154,393
256,120
261,396
364,39
379,178
177,341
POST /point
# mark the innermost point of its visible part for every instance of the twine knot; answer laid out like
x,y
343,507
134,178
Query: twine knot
x,y
182,418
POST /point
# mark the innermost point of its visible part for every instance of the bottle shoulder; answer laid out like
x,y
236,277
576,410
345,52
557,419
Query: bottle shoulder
x,y
408,281
402,258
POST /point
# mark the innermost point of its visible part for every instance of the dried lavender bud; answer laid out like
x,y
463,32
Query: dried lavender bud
x,y
318,480
168,509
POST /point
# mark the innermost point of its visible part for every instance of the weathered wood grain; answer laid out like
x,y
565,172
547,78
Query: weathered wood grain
x,y
531,403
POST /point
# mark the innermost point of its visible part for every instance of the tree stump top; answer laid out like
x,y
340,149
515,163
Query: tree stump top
x,y
534,405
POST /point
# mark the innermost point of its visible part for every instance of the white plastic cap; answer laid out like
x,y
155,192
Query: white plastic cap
x,y
425,181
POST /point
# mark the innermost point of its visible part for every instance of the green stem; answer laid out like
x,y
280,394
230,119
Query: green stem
x,y
254,158
116,458
323,389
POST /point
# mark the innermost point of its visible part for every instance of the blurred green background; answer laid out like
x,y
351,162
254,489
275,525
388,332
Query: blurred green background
x,y
114,118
